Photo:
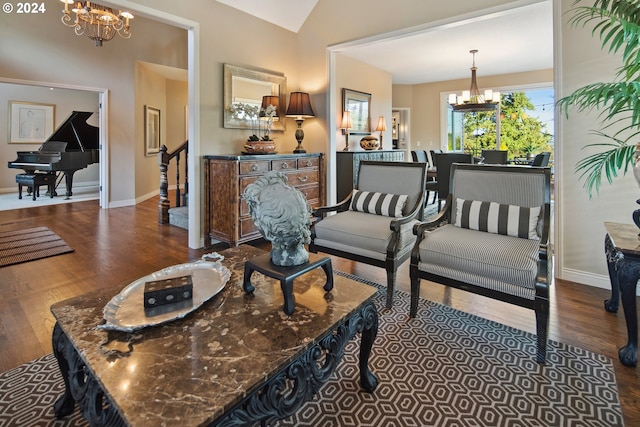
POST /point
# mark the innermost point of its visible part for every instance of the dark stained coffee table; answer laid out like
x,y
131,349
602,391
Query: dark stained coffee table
x,y
237,360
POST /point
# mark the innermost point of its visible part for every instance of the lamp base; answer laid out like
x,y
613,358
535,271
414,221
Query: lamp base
x,y
299,138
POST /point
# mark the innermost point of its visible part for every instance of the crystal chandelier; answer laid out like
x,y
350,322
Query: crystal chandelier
x,y
471,100
95,21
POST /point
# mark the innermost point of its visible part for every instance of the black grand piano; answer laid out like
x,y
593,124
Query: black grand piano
x,y
73,146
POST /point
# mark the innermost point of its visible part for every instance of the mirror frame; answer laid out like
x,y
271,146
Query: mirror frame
x,y
355,101
230,71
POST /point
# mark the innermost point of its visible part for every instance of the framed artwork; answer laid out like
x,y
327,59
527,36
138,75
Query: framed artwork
x,y
359,103
30,122
151,130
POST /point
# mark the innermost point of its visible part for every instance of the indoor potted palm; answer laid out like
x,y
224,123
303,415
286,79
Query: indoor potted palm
x,y
617,24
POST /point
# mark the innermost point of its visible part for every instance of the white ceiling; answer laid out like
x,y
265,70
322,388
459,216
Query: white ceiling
x,y
511,41
284,13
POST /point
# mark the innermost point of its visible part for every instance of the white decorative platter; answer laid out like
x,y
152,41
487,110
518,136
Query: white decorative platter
x,y
125,312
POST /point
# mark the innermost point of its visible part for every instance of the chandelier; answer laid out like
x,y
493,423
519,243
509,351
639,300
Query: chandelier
x,y
471,100
95,21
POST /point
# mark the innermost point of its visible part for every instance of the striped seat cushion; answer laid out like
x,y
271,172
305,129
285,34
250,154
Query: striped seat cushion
x,y
378,203
509,220
494,261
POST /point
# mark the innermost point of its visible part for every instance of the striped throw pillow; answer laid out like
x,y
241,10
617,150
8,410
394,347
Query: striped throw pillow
x,y
510,220
378,203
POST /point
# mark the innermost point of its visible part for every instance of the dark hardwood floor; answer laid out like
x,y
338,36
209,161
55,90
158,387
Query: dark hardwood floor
x,y
113,247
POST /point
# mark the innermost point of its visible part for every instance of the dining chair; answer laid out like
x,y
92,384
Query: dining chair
x,y
443,170
494,157
421,156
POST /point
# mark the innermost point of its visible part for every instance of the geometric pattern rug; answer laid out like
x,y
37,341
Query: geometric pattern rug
x,y
30,244
443,368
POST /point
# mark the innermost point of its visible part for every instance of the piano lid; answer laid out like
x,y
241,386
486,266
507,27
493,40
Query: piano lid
x,y
76,132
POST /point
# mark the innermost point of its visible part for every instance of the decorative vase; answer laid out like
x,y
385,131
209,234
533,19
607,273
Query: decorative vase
x,y
260,147
369,142
636,174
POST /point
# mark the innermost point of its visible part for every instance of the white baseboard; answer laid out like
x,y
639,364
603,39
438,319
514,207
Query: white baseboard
x,y
590,279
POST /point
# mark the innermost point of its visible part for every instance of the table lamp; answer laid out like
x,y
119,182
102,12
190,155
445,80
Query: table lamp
x,y
382,126
345,126
300,108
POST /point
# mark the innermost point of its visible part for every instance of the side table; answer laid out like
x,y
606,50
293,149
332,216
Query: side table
x,y
286,275
622,248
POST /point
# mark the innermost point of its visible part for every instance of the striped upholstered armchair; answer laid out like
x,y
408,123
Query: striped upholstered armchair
x,y
491,238
374,224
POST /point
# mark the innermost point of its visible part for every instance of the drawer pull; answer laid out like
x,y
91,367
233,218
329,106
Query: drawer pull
x,y
308,163
254,168
303,178
285,166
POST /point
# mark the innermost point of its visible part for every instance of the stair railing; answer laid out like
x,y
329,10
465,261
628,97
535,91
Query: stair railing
x,y
164,160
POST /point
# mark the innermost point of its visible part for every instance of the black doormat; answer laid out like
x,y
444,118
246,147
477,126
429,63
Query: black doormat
x,y
443,368
30,244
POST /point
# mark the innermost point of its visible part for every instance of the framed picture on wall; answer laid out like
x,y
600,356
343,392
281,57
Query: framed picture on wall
x,y
30,122
151,130
359,104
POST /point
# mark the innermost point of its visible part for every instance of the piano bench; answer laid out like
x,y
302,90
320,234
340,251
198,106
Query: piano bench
x,y
33,181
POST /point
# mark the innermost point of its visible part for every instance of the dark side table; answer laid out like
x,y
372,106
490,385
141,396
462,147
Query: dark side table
x,y
622,247
286,275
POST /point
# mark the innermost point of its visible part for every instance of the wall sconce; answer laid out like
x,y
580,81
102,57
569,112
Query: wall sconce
x,y
345,126
382,126
300,108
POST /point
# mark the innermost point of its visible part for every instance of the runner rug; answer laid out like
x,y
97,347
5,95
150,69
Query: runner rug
x,y
30,244
443,368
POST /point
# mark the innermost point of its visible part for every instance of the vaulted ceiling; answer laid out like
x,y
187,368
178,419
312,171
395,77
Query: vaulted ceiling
x,y
512,41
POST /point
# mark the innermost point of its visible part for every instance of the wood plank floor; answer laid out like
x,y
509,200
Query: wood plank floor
x,y
113,247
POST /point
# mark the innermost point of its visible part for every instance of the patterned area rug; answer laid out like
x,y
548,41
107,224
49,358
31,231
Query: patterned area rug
x,y
443,368
30,244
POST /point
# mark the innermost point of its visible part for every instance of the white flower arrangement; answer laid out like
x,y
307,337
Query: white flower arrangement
x,y
244,111
268,115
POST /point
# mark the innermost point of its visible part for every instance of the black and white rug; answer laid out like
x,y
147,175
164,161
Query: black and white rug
x,y
443,368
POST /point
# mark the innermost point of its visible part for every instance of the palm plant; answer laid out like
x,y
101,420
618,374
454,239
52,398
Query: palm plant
x,y
617,24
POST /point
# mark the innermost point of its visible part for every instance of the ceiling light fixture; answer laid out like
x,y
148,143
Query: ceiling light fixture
x,y
95,21
471,100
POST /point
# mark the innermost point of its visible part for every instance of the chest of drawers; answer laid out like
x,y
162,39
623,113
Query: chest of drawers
x,y
226,216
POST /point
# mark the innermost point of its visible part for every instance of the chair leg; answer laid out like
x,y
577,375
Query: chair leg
x,y
391,283
415,292
542,330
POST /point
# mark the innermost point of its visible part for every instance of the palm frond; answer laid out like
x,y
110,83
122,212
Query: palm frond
x,y
618,157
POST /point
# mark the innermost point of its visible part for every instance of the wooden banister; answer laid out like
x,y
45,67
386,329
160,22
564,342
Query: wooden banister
x,y
164,159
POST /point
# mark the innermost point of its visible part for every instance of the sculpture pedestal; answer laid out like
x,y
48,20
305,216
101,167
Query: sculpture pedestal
x,y
286,275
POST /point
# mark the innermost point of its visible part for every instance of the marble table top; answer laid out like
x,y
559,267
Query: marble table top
x,y
624,237
190,371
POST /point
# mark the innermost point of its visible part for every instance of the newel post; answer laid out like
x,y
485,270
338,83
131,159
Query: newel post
x,y
163,204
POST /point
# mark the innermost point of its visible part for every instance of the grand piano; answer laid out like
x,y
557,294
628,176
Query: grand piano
x,y
74,145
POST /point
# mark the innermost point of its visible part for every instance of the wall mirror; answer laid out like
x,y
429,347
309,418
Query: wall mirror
x,y
359,103
248,86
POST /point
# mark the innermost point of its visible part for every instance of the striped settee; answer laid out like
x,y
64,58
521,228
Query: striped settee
x,y
491,238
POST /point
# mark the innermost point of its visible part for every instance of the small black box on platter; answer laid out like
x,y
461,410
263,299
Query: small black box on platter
x,y
167,291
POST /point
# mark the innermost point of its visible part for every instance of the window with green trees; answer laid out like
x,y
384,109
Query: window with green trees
x,y
522,132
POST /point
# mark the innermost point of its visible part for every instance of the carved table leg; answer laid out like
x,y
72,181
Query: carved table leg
x,y
611,304
287,291
66,403
368,380
628,273
246,282
328,270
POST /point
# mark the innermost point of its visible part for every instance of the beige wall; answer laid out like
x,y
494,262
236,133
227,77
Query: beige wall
x,y
425,101
65,101
155,90
361,77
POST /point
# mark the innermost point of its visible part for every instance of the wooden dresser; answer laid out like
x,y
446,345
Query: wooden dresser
x,y
226,216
